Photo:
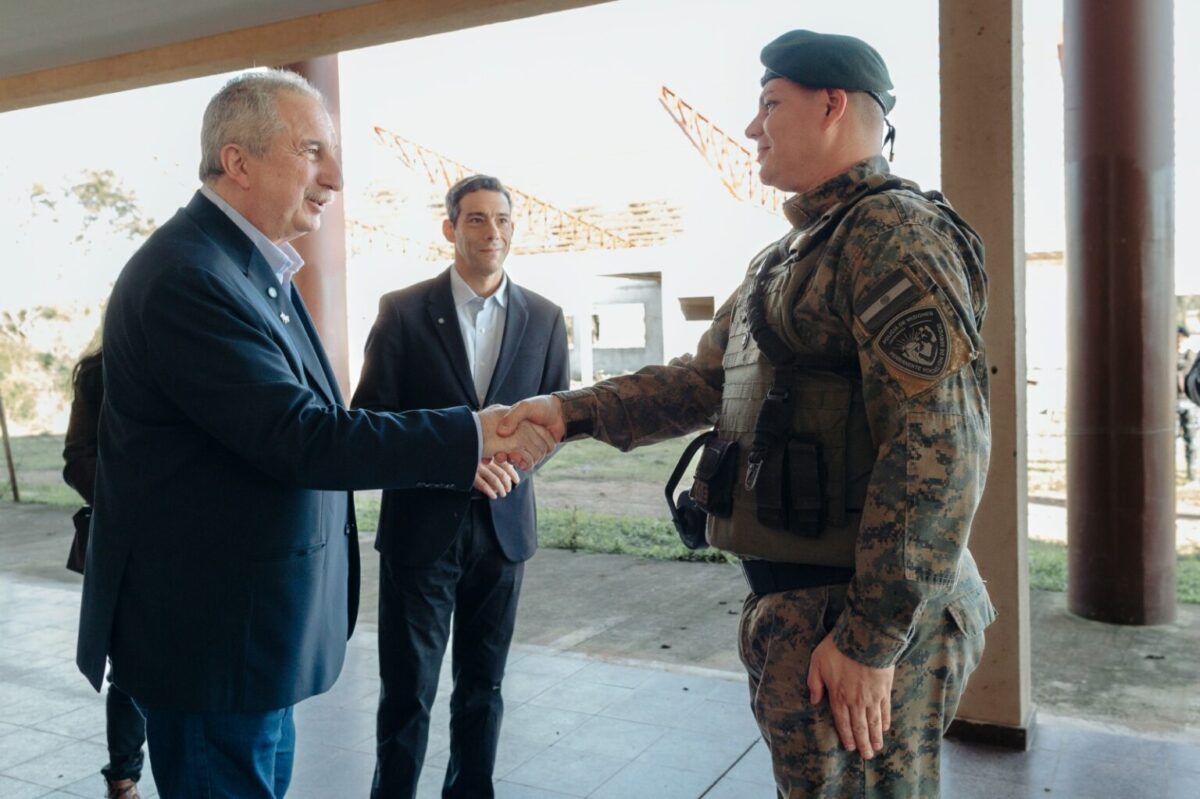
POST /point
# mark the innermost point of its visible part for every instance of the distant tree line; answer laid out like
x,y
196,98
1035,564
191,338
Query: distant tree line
x,y
28,369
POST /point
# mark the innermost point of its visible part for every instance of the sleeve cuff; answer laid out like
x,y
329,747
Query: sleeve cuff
x,y
859,640
478,436
576,412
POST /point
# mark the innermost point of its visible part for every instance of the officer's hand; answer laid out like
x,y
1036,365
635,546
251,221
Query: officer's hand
x,y
545,410
860,697
495,480
523,446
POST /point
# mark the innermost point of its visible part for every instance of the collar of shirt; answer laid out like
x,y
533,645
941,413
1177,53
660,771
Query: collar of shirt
x,y
284,261
811,207
463,293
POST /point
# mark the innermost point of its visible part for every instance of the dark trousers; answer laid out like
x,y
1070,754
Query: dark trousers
x,y
126,733
474,582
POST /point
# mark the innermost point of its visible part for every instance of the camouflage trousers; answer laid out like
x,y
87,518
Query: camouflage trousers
x,y
777,635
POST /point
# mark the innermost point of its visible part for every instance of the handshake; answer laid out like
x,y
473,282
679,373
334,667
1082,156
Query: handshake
x,y
521,437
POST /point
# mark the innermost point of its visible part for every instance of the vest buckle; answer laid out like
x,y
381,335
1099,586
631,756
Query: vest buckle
x,y
753,467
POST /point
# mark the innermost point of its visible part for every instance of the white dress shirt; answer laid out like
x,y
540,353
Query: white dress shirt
x,y
481,322
283,260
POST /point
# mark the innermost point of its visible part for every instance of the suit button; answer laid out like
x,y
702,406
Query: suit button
x,y
349,528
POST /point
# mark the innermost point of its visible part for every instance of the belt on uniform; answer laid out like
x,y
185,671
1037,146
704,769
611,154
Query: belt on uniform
x,y
769,577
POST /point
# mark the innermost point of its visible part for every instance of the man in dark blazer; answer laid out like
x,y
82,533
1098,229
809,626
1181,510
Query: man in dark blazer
x,y
467,337
222,571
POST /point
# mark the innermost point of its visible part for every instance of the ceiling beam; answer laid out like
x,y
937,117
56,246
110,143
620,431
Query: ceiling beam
x,y
276,43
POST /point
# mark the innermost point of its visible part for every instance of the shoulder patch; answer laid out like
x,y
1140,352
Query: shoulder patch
x,y
894,293
917,342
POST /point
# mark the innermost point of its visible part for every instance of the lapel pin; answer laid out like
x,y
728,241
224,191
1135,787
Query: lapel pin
x,y
271,292
287,320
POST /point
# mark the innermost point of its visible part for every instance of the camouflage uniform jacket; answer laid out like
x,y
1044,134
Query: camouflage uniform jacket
x,y
899,284
1183,365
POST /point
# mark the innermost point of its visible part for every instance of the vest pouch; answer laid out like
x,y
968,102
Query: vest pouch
x,y
805,487
712,488
770,498
823,415
790,491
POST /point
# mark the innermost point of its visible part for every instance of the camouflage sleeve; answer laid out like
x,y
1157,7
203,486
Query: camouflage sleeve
x,y
656,402
909,304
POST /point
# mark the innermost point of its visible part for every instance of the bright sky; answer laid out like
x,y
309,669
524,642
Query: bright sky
x,y
563,106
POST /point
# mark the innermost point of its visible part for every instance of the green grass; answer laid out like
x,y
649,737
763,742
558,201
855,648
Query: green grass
x,y
39,466
591,460
1048,571
579,531
39,474
1047,566
366,511
1187,578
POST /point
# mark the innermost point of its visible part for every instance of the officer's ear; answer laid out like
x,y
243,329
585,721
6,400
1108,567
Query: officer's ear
x,y
448,230
836,102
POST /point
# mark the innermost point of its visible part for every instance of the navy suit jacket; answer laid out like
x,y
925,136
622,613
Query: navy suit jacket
x,y
222,570
415,358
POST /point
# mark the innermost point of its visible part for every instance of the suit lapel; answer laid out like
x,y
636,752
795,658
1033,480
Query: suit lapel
x,y
514,329
316,363
290,320
444,318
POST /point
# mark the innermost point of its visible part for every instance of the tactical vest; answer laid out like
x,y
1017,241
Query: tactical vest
x,y
827,408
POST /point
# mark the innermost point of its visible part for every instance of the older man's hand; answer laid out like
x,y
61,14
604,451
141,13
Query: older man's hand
x,y
495,480
523,444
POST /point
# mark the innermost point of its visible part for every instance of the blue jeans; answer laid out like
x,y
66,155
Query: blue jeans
x,y
220,755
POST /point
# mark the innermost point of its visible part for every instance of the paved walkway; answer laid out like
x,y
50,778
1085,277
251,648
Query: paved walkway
x,y
629,705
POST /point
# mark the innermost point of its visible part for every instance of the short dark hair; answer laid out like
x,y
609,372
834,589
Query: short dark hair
x,y
468,185
1183,331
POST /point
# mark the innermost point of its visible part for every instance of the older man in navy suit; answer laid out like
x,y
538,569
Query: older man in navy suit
x,y
222,571
467,337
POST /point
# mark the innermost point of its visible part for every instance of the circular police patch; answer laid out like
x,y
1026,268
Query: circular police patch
x,y
915,342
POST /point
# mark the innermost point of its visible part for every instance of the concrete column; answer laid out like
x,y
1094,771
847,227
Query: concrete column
x,y
1119,96
982,163
583,342
322,281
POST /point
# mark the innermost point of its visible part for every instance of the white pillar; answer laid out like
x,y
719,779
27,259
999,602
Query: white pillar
x,y
583,341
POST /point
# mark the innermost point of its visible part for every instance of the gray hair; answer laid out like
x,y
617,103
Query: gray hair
x,y
468,185
244,113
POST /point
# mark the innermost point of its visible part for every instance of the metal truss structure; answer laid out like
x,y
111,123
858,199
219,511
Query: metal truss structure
x,y
552,228
734,164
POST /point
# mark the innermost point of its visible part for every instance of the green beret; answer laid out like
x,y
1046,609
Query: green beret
x,y
829,61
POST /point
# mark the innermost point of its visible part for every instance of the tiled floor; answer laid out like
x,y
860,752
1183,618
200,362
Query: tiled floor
x,y
575,726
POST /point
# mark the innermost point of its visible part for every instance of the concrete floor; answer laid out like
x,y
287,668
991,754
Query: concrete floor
x,y
623,683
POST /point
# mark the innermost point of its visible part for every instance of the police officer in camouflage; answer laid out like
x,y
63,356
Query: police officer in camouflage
x,y
848,379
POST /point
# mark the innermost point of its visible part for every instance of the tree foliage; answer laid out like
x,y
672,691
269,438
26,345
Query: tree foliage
x,y
34,361
26,371
101,196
